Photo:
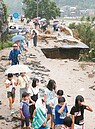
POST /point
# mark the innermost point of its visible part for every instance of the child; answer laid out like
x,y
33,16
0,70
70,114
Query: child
x,y
61,111
10,85
67,123
77,113
53,103
49,95
33,91
40,120
24,110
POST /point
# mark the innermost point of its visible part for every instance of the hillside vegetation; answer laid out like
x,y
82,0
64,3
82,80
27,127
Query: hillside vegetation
x,y
16,5
81,4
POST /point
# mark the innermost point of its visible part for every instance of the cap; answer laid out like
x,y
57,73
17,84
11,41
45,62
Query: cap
x,y
15,45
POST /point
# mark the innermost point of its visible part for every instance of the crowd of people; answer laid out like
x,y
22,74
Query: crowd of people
x,y
42,107
45,107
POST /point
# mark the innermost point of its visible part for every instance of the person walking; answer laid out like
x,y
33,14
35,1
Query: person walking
x,y
10,84
14,55
34,38
33,92
50,93
24,83
40,115
24,110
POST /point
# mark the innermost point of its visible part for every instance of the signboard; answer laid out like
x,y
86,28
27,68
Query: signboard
x,y
15,15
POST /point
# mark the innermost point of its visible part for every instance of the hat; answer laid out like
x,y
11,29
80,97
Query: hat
x,y
15,45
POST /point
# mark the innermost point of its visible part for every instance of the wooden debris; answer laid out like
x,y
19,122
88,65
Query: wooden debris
x,y
46,41
47,32
63,29
43,36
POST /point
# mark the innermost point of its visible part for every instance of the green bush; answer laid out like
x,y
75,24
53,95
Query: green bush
x,y
86,32
5,45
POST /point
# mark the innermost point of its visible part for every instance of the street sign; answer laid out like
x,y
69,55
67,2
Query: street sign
x,y
15,15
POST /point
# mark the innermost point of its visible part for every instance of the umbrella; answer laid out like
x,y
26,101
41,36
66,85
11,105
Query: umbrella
x,y
17,69
56,23
35,19
17,38
25,30
43,19
56,20
13,31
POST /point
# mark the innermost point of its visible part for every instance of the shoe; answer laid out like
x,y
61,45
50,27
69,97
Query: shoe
x,y
11,111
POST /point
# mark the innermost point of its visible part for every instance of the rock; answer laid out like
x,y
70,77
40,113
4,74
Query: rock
x,y
2,69
68,96
75,69
91,87
94,88
1,117
0,103
91,75
4,57
8,119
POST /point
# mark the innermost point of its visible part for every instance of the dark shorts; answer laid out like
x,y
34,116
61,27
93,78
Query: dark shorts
x,y
26,121
9,94
53,118
49,109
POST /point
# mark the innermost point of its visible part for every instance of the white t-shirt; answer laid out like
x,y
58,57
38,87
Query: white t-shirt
x,y
33,91
9,89
54,103
49,95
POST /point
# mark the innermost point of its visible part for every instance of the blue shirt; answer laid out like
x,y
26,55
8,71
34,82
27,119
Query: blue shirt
x,y
14,56
59,117
24,105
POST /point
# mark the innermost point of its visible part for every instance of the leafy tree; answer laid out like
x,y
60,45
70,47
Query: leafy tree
x,y
86,33
47,9
3,24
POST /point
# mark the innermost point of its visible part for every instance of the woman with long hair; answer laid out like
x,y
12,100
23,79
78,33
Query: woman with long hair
x,y
50,93
33,91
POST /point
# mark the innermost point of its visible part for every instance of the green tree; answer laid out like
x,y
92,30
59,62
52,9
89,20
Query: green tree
x,y
47,9
3,22
86,32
